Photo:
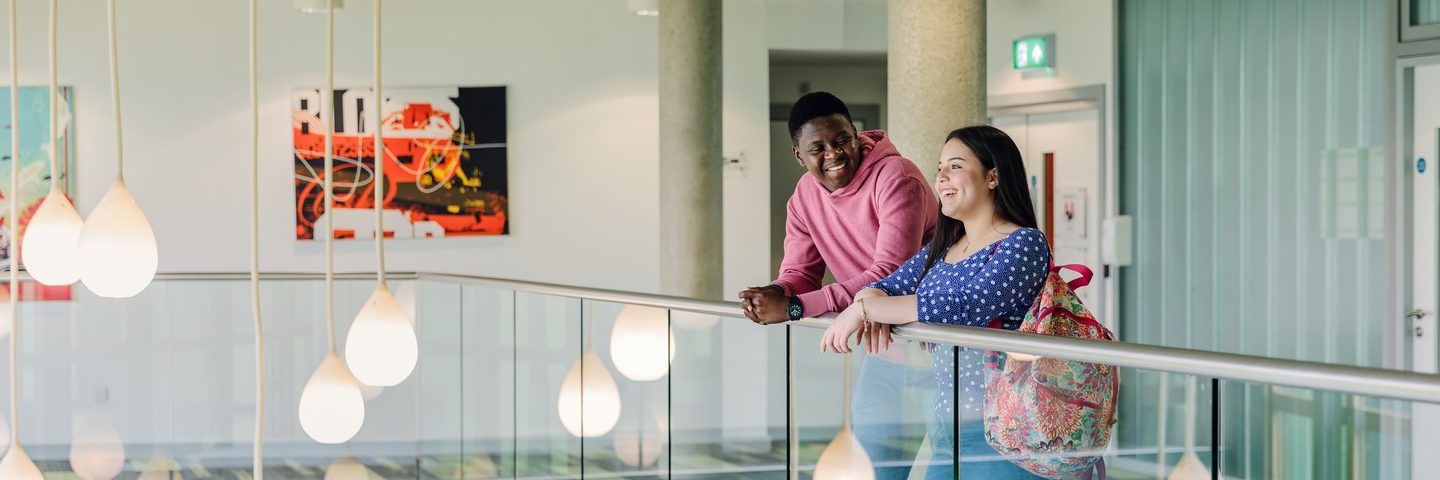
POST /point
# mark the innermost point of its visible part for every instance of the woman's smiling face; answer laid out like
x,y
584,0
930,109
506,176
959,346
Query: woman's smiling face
x,y
962,182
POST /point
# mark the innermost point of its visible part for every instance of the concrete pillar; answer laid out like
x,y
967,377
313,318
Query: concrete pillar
x,y
690,160
936,73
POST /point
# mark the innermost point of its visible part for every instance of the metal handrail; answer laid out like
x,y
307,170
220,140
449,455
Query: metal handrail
x,y
1370,382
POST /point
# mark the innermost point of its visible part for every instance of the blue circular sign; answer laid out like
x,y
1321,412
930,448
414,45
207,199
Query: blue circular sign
x,y
1420,165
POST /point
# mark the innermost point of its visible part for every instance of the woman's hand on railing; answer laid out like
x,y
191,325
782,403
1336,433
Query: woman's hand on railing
x,y
875,336
847,323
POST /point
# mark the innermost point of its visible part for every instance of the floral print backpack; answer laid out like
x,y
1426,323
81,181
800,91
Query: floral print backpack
x,y
1052,416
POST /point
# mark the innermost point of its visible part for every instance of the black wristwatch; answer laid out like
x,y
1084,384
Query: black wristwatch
x,y
795,311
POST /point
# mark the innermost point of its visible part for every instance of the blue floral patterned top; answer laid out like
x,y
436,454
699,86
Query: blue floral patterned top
x,y
998,281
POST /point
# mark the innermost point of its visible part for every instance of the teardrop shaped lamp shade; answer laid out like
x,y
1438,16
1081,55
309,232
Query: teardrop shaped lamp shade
x,y
117,246
641,344
331,408
600,408
17,466
97,453
381,347
49,249
844,459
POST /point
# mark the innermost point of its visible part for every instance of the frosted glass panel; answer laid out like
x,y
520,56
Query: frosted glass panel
x,y
1252,138
1251,146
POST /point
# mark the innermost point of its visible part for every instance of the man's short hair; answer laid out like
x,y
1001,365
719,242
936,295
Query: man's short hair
x,y
812,106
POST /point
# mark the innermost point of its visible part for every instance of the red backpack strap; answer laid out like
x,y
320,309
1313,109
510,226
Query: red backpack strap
x,y
1085,274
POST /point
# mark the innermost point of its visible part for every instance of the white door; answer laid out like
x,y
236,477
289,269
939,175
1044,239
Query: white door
x,y
1063,163
1425,262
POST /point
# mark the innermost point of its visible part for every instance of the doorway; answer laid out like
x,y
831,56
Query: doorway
x,y
1061,136
1420,131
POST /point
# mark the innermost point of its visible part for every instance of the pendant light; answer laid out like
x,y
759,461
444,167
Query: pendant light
x,y
331,408
381,347
16,465
843,458
257,467
641,344
52,237
589,403
97,452
117,245
640,444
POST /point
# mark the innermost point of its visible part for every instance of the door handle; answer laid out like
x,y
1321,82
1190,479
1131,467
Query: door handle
x,y
1418,314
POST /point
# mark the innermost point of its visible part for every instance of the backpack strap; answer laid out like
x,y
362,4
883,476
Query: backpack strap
x,y
1086,275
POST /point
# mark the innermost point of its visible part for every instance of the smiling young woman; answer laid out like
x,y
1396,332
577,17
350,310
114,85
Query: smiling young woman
x,y
984,267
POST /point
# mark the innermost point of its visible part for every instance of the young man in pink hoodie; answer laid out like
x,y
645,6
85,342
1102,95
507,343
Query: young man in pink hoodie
x,y
862,211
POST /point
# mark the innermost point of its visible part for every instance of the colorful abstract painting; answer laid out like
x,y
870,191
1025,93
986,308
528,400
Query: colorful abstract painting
x,y
444,162
35,174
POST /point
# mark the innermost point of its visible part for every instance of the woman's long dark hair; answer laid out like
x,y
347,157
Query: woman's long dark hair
x,y
995,150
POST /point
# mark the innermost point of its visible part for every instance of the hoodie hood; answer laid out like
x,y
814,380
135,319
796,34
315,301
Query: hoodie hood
x,y
877,151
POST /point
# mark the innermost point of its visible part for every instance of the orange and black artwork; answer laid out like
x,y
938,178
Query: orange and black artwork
x,y
444,162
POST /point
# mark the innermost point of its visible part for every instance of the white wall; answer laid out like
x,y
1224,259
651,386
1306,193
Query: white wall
x,y
582,133
847,25
582,184
1085,37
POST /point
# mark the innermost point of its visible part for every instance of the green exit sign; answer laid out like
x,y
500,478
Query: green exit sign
x,y
1034,53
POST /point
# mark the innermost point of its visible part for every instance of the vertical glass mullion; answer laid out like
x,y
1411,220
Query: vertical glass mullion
x,y
792,440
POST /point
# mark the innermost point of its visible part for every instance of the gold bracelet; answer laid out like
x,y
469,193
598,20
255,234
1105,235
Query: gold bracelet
x,y
864,316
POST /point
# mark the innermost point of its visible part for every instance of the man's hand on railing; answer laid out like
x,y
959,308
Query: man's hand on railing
x,y
765,305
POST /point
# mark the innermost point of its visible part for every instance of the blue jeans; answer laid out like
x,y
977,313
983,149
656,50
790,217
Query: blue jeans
x,y
883,391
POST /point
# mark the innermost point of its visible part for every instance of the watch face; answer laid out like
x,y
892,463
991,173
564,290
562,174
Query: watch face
x,y
795,310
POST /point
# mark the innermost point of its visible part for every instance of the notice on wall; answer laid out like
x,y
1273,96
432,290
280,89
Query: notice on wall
x,y
1070,217
1352,193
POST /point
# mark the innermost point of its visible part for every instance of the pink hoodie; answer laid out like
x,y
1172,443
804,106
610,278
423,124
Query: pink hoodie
x,y
862,232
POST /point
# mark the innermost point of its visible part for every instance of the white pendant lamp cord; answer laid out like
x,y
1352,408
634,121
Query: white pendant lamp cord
x,y
258,469
15,221
115,95
327,110
376,110
54,96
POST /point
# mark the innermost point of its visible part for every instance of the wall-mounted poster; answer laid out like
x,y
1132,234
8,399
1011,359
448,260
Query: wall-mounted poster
x,y
444,162
35,174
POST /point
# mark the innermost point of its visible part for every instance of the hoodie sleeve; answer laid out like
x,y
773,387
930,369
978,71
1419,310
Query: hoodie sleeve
x,y
802,268
903,221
